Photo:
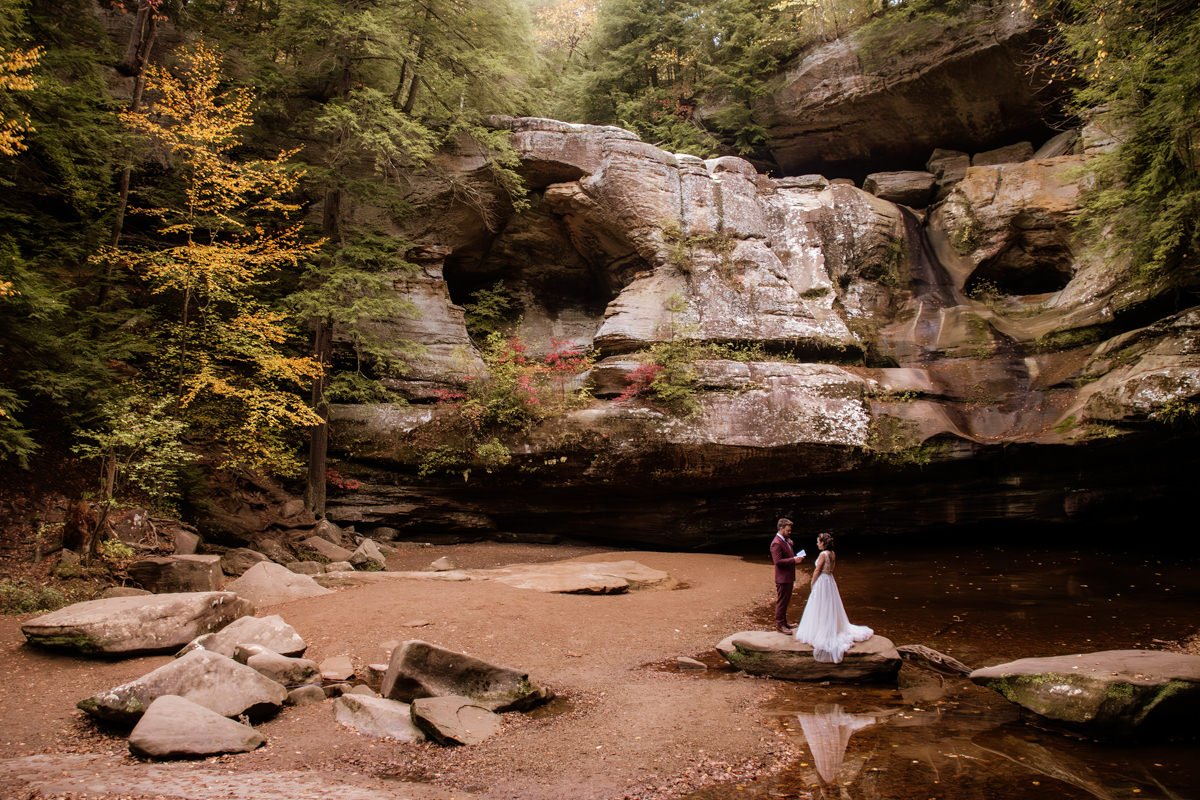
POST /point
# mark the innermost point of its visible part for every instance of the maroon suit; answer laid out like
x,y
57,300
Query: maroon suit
x,y
785,577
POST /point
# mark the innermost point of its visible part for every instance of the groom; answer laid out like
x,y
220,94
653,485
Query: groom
x,y
784,556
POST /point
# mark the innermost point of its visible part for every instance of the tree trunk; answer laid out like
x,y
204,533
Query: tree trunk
x,y
318,442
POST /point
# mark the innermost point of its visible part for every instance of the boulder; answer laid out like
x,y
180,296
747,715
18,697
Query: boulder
x,y
337,668
419,669
307,695
327,549
270,632
779,655
1009,154
136,625
454,720
339,566
164,574
306,567
581,577
374,716
214,681
274,550
1061,144
910,188
330,532
268,583
368,556
443,564
186,542
1118,694
290,672
123,591
175,727
236,561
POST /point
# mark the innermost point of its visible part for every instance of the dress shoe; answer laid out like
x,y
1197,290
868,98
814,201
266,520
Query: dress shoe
x,y
784,629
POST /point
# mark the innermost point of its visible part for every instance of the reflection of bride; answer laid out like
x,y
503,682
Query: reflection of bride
x,y
824,624
827,731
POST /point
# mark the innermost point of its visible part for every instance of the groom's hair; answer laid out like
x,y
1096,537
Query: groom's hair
x,y
783,521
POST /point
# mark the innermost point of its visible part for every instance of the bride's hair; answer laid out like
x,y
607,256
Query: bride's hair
x,y
825,540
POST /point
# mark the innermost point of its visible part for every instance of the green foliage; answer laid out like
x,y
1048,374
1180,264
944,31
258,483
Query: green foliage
x,y
489,310
1135,64
137,441
21,596
116,555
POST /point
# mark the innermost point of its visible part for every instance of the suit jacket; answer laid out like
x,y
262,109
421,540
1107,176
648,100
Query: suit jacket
x,y
785,560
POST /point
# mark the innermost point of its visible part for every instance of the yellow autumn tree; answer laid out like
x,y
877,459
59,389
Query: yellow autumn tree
x,y
15,66
227,234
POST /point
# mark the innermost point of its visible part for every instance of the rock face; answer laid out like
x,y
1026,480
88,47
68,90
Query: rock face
x,y
893,91
375,716
214,681
1113,694
175,727
419,669
136,625
780,656
169,574
267,584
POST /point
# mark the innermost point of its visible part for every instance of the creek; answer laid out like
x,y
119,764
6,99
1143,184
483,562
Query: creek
x,y
942,737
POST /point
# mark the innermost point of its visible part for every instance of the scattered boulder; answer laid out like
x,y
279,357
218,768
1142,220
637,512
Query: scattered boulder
x,y
175,727
339,566
327,549
337,668
684,662
374,716
383,534
236,561
443,564
581,577
164,574
373,674
779,655
290,672
306,567
274,550
268,583
270,632
419,669
308,695
214,681
186,542
361,689
910,187
454,720
368,556
1112,694
136,625
329,531
1009,154
122,591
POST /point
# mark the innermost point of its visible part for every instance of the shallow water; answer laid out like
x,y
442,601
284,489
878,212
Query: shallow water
x,y
940,737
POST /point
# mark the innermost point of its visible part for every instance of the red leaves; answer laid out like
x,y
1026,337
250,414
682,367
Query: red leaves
x,y
640,380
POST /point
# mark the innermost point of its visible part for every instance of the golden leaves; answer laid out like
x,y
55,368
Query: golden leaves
x,y
14,64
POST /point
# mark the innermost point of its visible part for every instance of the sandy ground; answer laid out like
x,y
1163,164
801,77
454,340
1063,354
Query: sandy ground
x,y
626,722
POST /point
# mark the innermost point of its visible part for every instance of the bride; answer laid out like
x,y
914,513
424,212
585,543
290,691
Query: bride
x,y
824,624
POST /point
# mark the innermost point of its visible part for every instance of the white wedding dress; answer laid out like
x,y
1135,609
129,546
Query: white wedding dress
x,y
824,624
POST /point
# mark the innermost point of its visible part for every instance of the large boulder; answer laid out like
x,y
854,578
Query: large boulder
x,y
419,669
327,549
1110,694
236,561
165,574
270,632
214,681
175,727
779,655
376,716
268,583
581,577
907,187
136,625
368,556
454,720
289,672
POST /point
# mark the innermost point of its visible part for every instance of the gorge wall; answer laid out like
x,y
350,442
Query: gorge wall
x,y
935,348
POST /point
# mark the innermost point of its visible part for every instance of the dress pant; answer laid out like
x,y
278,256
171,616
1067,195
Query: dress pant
x,y
783,598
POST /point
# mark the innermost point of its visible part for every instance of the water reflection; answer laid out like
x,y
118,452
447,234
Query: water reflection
x,y
827,730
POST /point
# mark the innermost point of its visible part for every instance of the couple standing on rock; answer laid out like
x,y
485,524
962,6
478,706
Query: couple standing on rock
x,y
824,624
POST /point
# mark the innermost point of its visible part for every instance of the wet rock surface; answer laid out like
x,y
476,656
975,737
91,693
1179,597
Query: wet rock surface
x,y
779,655
1117,694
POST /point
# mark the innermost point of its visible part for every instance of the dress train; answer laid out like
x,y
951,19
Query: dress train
x,y
824,624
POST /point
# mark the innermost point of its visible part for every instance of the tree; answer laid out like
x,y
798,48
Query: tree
x,y
228,233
